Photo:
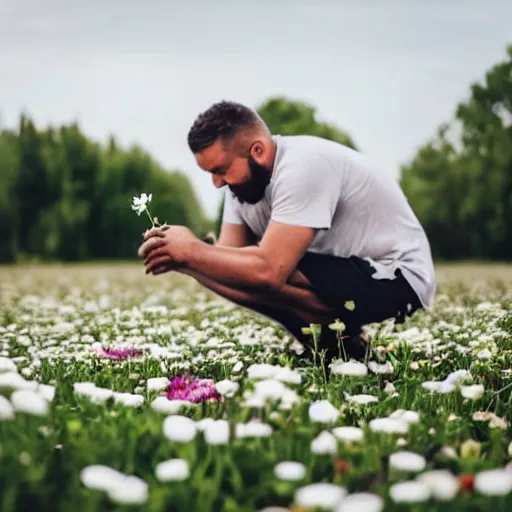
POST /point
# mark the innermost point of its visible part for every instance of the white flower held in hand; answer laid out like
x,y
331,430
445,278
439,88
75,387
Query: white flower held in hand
x,y
140,205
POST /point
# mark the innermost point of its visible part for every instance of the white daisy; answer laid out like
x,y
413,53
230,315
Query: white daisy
x,y
172,470
350,434
361,502
443,485
179,429
323,412
350,368
494,482
290,471
409,492
324,443
407,461
321,495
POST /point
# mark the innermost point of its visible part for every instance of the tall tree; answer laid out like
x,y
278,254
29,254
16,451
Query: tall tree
x,y
65,197
462,190
288,117
9,202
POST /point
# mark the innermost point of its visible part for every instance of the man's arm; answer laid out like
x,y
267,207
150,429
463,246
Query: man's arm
x,y
301,205
234,235
265,267
238,235
231,235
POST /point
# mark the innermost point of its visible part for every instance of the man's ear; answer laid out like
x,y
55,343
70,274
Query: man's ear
x,y
257,150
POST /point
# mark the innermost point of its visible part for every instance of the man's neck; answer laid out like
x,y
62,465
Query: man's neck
x,y
271,157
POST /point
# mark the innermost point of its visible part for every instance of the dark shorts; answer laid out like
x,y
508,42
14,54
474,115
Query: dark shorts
x,y
338,281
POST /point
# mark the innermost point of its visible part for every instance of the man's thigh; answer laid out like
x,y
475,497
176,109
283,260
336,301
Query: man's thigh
x,y
298,298
348,287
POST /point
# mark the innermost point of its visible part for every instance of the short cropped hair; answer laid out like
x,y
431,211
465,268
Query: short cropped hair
x,y
223,120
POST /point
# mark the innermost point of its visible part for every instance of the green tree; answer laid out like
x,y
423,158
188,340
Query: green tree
x,y
436,174
33,185
63,196
9,225
286,117
462,190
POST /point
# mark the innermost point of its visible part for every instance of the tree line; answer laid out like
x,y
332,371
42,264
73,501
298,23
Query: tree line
x,y
460,182
66,197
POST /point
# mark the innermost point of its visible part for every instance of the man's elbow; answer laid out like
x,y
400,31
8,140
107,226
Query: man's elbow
x,y
272,282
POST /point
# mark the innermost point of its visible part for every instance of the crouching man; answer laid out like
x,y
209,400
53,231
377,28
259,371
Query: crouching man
x,y
311,231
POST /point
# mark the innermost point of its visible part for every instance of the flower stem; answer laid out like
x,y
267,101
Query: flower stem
x,y
150,218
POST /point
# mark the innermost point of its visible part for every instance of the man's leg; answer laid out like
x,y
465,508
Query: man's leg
x,y
295,307
294,299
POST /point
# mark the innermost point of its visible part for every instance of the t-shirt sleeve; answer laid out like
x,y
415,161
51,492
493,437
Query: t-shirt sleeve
x,y
230,212
302,196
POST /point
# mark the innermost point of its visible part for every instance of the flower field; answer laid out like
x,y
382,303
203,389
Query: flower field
x,y
121,391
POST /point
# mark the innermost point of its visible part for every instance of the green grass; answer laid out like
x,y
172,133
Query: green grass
x,y
51,315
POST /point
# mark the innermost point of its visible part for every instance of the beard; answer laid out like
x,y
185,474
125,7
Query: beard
x,y
254,188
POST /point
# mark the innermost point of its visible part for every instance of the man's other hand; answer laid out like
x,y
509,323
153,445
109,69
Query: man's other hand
x,y
166,248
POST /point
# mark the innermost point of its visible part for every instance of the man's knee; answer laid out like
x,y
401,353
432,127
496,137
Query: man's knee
x,y
298,279
294,298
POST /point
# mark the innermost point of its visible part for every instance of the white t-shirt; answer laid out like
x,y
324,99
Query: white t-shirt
x,y
357,209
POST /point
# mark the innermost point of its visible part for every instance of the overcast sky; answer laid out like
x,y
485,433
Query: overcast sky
x,y
387,72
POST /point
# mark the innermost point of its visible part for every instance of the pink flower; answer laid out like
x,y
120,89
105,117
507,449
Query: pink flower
x,y
117,353
192,389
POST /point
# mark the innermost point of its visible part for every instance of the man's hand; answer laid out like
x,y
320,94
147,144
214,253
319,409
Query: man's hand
x,y
266,267
166,248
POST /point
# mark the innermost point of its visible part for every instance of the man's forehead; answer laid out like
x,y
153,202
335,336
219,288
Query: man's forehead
x,y
212,156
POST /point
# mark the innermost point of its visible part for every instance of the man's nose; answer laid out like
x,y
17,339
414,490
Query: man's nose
x,y
218,182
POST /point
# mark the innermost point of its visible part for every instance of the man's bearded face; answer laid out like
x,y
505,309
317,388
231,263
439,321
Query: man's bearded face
x,y
253,190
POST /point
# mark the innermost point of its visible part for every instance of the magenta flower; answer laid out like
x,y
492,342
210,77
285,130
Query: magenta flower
x,y
117,353
192,389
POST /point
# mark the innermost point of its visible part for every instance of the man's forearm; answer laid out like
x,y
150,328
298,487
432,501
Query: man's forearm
x,y
293,296
241,267
231,293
